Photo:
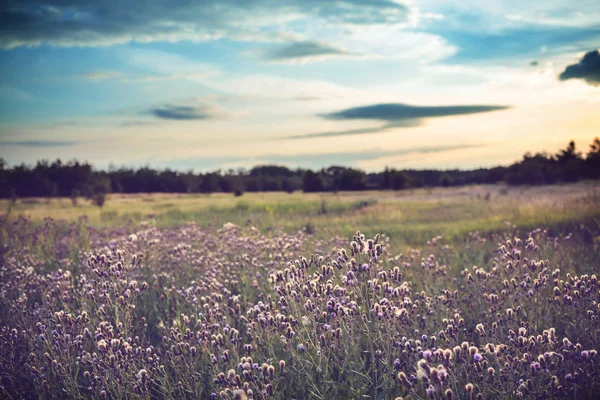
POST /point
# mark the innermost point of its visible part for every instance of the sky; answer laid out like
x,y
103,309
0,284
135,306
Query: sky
x,y
220,84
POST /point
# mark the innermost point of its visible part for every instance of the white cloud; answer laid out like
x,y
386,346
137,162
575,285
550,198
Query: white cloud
x,y
77,23
101,75
494,16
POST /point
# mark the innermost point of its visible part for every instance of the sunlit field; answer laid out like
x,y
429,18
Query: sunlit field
x,y
484,292
410,216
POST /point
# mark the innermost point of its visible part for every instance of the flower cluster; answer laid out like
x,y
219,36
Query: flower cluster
x,y
234,313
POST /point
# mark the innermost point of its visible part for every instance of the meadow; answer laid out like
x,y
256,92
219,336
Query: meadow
x,y
480,292
408,216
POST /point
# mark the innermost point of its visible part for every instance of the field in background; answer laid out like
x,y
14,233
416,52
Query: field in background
x,y
411,216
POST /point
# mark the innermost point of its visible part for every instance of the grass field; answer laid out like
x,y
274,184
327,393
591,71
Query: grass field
x,y
484,292
411,216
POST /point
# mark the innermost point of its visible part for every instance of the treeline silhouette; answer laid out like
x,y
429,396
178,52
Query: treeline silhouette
x,y
74,179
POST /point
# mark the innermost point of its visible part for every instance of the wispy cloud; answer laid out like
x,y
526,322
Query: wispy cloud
x,y
171,111
588,69
101,75
13,93
306,51
77,23
193,110
129,124
396,115
378,129
311,160
399,112
39,143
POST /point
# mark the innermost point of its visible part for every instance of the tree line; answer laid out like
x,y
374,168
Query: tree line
x,y
74,179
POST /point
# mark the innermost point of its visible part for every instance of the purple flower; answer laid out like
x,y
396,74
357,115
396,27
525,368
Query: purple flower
x,y
585,354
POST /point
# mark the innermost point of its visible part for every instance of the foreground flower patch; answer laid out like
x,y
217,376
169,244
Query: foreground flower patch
x,y
235,313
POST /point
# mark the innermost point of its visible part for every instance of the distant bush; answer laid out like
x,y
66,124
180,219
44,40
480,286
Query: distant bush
x,y
75,193
98,199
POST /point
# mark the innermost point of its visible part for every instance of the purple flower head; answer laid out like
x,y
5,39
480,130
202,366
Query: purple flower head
x,y
430,391
585,354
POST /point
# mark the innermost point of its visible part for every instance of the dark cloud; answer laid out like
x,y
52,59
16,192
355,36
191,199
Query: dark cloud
x,y
396,115
588,69
170,111
400,113
534,63
193,109
304,50
39,143
93,22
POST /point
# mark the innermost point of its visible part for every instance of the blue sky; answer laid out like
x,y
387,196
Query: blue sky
x,y
368,83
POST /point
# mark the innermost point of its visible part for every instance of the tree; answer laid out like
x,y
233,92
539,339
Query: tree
x,y
592,161
446,180
570,162
312,182
210,183
351,179
101,187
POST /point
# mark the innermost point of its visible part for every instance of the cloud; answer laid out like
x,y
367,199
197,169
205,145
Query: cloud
x,y
309,160
174,77
379,129
100,23
588,69
39,143
305,51
194,110
396,115
101,75
306,98
128,124
13,93
170,111
395,112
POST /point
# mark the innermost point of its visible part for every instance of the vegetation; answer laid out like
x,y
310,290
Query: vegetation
x,y
60,179
408,217
459,292
230,311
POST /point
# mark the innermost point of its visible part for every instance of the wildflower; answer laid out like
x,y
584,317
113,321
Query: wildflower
x,y
449,394
102,345
430,391
585,354
271,371
239,395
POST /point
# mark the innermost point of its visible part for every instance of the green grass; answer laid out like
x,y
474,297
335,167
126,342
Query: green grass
x,y
410,217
